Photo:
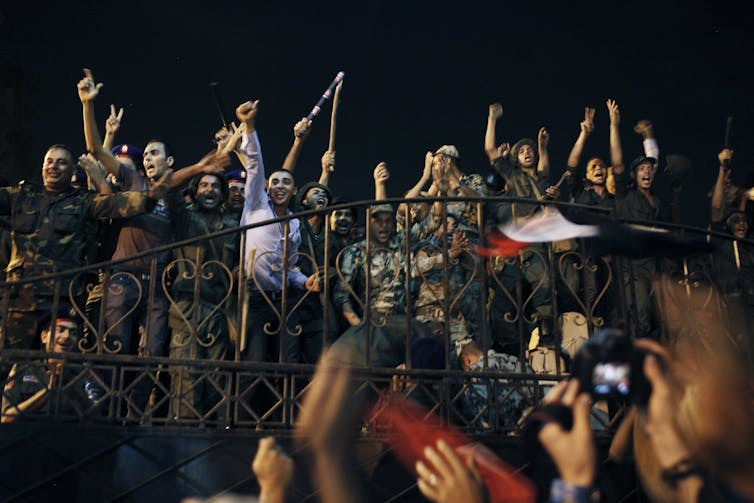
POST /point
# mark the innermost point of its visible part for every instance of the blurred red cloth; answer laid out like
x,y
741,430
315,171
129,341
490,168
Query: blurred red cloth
x,y
410,428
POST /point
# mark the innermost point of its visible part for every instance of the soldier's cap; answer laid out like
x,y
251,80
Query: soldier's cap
x,y
734,213
382,208
301,193
127,150
449,150
642,159
65,313
235,176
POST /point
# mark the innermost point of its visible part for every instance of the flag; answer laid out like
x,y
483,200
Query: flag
x,y
605,236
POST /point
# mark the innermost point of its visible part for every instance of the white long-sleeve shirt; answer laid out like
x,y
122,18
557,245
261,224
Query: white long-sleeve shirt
x,y
268,240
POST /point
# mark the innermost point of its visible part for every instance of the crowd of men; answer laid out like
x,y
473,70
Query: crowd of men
x,y
412,286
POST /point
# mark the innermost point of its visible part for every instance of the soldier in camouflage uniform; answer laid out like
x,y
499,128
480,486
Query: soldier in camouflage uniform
x,y
506,406
449,180
199,325
49,231
386,333
428,269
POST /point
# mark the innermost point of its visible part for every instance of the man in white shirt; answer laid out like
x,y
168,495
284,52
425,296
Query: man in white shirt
x,y
269,275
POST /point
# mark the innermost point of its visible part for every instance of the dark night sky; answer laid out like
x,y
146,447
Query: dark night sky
x,y
418,75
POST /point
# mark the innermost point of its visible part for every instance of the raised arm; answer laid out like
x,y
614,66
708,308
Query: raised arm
x,y
229,141
416,189
543,140
381,175
88,92
212,163
490,147
328,166
587,126
616,151
112,125
255,196
300,131
12,411
717,209
645,129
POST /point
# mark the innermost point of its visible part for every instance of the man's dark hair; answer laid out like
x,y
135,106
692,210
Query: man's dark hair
x,y
62,146
281,170
194,184
166,146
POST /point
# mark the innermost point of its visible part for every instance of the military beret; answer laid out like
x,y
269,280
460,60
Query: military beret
x,y
127,150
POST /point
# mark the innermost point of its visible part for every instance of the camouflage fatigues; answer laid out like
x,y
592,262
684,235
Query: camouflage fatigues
x,y
387,283
507,404
52,233
466,212
428,270
386,335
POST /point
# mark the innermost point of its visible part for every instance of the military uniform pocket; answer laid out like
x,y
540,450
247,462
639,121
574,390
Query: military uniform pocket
x,y
66,222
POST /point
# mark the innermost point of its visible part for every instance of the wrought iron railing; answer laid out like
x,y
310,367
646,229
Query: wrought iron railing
x,y
501,300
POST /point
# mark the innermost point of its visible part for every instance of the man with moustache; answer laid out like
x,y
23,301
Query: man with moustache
x,y
387,290
271,272
343,226
236,182
199,330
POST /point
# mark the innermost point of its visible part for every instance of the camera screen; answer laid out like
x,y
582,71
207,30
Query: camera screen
x,y
612,377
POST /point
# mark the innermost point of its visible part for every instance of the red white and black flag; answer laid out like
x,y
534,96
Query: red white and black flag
x,y
605,236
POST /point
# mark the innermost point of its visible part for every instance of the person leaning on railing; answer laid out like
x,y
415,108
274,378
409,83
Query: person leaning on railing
x,y
635,199
526,170
384,339
49,227
589,186
263,255
199,325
